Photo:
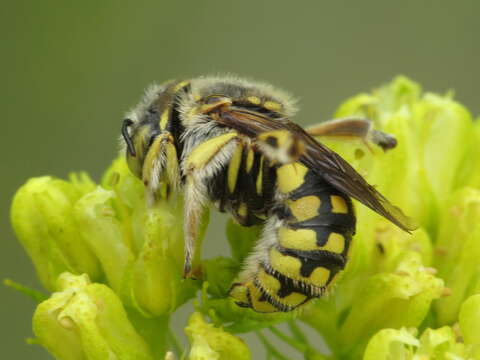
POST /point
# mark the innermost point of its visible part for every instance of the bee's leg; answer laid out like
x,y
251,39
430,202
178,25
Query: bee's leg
x,y
354,127
280,146
201,165
160,163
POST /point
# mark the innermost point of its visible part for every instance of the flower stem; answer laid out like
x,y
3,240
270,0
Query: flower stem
x,y
34,294
174,343
271,351
301,345
297,332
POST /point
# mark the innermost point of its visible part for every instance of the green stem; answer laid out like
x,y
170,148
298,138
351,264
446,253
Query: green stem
x,y
322,320
302,346
174,343
155,332
271,351
34,294
296,332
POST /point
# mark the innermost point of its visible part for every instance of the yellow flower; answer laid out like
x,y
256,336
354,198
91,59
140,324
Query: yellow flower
x,y
211,343
87,321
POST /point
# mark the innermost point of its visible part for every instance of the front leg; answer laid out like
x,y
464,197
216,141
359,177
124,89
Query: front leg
x,y
200,166
160,164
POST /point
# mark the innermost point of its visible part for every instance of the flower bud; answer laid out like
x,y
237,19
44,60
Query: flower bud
x,y
458,251
417,175
393,97
469,319
86,321
398,173
392,245
396,299
403,344
378,247
140,246
469,173
128,188
441,123
157,283
102,230
42,217
210,342
391,299
391,344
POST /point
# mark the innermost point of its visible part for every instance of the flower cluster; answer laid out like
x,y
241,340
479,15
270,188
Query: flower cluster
x,y
114,265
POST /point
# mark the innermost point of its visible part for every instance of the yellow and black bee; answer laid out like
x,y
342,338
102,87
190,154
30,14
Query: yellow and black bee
x,y
230,142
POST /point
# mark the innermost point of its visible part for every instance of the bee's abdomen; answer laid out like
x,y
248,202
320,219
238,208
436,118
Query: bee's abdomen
x,y
314,227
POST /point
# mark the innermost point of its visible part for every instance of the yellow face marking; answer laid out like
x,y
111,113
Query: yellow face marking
x,y
272,105
242,210
335,243
302,239
260,177
204,152
233,168
291,176
268,282
339,205
164,119
304,208
254,100
250,157
319,276
284,264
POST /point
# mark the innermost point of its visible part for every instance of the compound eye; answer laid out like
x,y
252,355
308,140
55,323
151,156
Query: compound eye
x,y
126,136
152,114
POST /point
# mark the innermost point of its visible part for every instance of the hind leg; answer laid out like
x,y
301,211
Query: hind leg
x,y
356,128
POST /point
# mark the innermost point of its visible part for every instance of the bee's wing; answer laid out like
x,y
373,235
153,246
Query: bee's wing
x,y
328,164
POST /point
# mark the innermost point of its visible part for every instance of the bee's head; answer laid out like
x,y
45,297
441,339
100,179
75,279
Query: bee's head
x,y
142,125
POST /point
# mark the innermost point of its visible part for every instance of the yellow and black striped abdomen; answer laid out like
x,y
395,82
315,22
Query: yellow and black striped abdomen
x,y
316,219
306,242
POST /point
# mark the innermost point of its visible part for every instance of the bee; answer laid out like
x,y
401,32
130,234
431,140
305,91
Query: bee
x,y
231,142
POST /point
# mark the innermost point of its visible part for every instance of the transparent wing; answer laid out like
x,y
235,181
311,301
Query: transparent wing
x,y
325,162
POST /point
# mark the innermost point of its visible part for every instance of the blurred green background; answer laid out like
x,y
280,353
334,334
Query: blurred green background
x,y
70,69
